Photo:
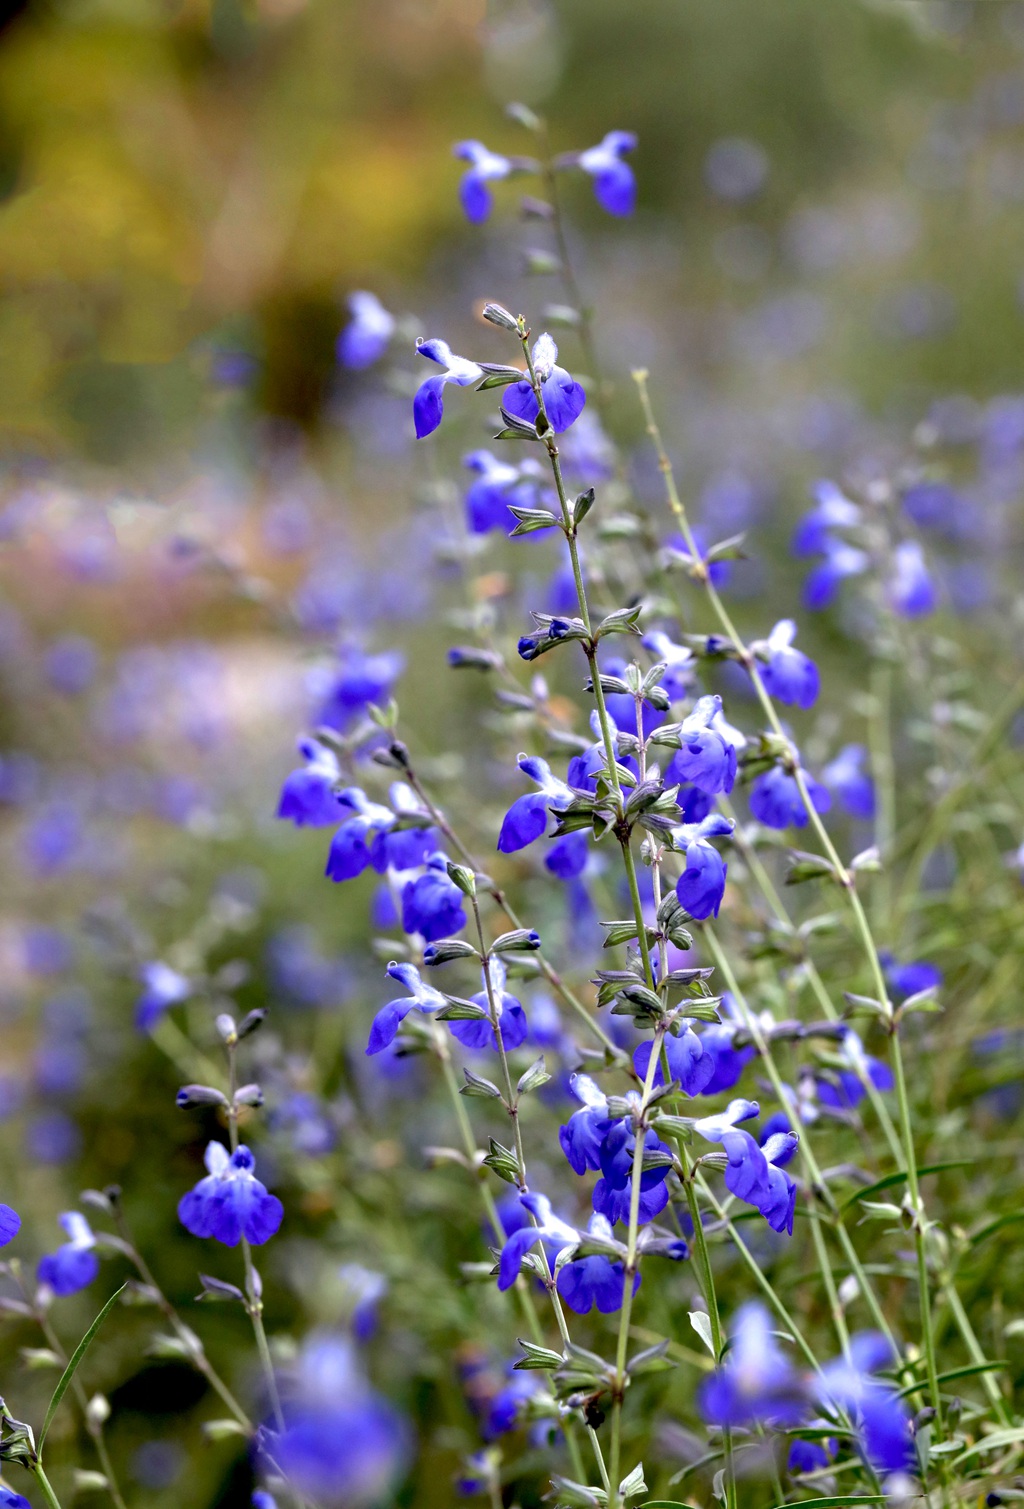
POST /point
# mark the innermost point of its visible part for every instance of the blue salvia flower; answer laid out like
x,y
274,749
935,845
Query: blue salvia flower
x,y
849,1090
477,1033
354,846
230,1203
681,663
367,335
823,582
567,857
908,979
421,997
162,987
809,1456
847,778
596,1280
308,796
707,756
910,590
582,1135
346,691
485,167
789,675
506,1407
689,1061
262,1500
563,396
881,1416
757,1383
613,1191
343,1445
498,484
428,404
832,510
755,1174
730,1061
432,904
549,1228
11,1500
701,886
366,1289
614,180
527,818
10,1224
75,1265
775,799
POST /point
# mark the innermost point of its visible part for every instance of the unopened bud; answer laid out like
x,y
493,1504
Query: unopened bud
x,y
199,1095
497,314
226,1029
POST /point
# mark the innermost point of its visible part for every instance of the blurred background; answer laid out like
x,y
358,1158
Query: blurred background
x,y
825,276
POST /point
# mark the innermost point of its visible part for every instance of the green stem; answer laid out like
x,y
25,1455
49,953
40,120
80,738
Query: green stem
x,y
46,1486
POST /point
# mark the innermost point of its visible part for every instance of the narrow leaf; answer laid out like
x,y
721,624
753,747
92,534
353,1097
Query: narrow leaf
x,y
72,1367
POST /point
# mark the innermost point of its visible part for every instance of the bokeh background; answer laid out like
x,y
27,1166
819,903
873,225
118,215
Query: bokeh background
x,y
824,275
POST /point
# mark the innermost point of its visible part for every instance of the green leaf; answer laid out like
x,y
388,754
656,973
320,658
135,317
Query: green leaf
x,y
970,1371
891,1179
995,1442
991,1227
72,1367
837,1498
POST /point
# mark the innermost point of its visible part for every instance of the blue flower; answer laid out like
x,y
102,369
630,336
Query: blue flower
x,y
390,1017
846,776
613,1191
498,484
261,1500
701,886
366,1289
910,591
484,167
832,510
807,1456
506,1406
567,857
594,1280
754,1174
681,663
428,404
688,1061
527,818
354,846
614,181
882,1417
432,905
358,680
583,1134
563,396
823,582
757,1383
308,794
162,987
729,1061
365,338
10,1224
548,1228
11,1500
789,676
848,1090
775,799
910,979
707,756
343,1445
230,1203
478,1033
75,1265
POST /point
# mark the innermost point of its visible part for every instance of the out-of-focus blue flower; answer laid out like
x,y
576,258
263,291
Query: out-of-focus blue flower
x,y
807,1456
359,679
688,1062
567,857
681,663
549,1229
71,664
53,1137
428,404
505,1407
302,1117
498,484
479,1034
910,590
54,838
707,757
595,1280
432,905
527,818
485,167
823,582
587,453
308,794
75,1265
908,979
261,1500
343,1445
366,1289
882,1417
701,886
389,1018
832,510
10,1224
789,675
365,338
848,1090
563,396
230,1203
162,987
775,799
934,505
729,1061
614,180
847,778
757,1383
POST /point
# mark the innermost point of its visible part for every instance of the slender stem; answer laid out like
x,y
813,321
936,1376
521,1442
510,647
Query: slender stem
x,y
45,1484
93,1426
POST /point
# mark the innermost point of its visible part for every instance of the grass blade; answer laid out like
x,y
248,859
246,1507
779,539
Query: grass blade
x,y
72,1367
